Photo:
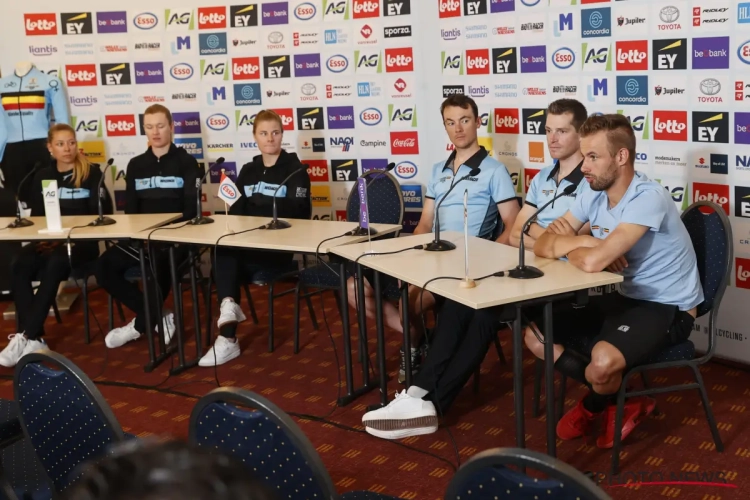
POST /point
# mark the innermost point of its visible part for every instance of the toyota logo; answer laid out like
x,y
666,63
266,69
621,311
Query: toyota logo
x,y
213,42
308,89
710,86
669,14
275,37
247,92
631,87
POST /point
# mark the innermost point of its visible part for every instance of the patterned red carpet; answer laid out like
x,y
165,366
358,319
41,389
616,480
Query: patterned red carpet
x,y
677,443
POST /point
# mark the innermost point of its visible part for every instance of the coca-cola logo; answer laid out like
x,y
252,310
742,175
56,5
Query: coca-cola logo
x,y
404,143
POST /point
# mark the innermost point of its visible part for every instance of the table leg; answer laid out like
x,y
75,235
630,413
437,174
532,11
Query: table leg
x,y
196,303
549,381
364,357
381,341
518,379
407,331
152,362
176,291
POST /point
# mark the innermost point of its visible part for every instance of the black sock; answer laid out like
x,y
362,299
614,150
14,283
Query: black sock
x,y
228,331
573,365
596,403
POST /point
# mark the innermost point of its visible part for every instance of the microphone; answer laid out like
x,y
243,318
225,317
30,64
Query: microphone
x,y
524,272
276,223
467,282
21,222
361,231
199,220
102,220
438,245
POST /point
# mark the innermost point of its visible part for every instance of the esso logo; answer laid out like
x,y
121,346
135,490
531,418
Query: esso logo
x,y
337,63
229,191
181,71
371,116
305,11
145,21
406,170
563,58
217,122
743,52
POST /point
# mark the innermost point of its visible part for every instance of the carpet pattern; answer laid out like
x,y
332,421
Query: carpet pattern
x,y
674,445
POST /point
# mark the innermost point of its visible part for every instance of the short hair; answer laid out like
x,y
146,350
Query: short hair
x,y
145,470
459,101
267,115
159,108
572,106
618,129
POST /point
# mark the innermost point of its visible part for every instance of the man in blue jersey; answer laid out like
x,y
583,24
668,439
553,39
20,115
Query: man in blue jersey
x,y
492,205
633,222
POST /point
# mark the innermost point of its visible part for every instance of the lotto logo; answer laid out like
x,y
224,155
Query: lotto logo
x,y
120,125
449,8
399,60
246,68
80,75
632,55
715,193
365,8
287,117
743,273
506,121
40,24
670,125
211,18
478,62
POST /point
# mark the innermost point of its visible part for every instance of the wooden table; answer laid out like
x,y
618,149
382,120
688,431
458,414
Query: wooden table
x,y
126,226
417,267
304,236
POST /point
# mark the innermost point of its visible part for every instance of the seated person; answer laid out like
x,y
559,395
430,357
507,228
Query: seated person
x,y
48,262
637,228
161,180
256,184
143,470
492,201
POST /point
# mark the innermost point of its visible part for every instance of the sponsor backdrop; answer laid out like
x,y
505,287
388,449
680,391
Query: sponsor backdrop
x,y
358,83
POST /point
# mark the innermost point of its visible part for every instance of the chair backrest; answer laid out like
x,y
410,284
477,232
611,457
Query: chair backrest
x,y
486,475
242,424
711,234
385,202
63,415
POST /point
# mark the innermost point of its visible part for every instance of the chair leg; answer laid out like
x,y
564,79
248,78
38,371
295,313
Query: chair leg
x,y
110,313
499,349
250,304
707,408
538,374
296,317
646,385
207,293
270,317
86,325
120,312
56,311
310,309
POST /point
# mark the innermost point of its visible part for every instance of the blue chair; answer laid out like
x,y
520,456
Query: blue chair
x,y
386,206
250,428
64,417
486,475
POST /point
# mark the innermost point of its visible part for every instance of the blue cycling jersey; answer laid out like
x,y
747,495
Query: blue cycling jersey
x,y
28,103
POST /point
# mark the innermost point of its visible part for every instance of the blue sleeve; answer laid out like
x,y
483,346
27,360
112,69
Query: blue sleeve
x,y
646,208
56,96
3,135
532,197
431,185
501,185
581,209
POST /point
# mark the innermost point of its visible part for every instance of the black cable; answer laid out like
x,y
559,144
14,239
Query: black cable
x,y
415,247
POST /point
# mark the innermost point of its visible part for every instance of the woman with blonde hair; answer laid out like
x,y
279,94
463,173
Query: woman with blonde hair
x,y
47,262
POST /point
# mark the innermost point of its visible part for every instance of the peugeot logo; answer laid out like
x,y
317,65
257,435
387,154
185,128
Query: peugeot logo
x,y
275,37
710,86
308,89
669,14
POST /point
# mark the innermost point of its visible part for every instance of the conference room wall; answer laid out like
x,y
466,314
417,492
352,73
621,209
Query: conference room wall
x,y
458,33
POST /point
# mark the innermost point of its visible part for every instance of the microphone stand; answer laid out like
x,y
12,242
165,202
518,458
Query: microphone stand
x,y
199,219
438,245
20,221
522,271
466,282
276,223
102,220
371,231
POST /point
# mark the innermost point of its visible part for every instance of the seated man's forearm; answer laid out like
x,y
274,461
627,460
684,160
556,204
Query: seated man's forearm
x,y
554,246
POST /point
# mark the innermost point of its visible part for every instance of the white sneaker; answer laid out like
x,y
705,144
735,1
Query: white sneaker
x,y
169,328
403,417
222,351
122,335
34,345
231,312
14,350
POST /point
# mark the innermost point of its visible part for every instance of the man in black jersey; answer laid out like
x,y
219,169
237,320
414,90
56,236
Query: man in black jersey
x,y
161,180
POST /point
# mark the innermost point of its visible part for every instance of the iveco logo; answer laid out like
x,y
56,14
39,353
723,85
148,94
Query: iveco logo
x,y
308,89
710,86
275,37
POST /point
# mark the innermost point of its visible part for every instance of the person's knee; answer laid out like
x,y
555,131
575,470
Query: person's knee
x,y
606,361
533,343
58,267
